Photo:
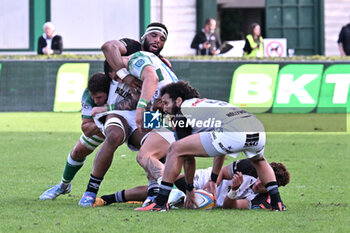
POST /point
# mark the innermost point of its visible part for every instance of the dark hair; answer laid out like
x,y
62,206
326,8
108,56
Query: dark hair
x,y
207,21
251,28
98,83
180,89
107,68
158,25
281,173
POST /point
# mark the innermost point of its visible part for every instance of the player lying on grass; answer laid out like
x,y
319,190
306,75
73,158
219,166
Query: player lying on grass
x,y
230,130
94,95
238,187
121,125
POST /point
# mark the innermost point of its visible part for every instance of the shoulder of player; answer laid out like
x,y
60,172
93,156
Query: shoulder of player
x,y
141,58
131,45
191,102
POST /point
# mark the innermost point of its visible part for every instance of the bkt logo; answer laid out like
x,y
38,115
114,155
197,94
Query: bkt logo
x,y
297,88
152,120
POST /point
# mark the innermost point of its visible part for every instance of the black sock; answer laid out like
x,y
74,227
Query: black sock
x,y
94,184
152,192
153,188
163,195
115,197
181,184
272,189
109,199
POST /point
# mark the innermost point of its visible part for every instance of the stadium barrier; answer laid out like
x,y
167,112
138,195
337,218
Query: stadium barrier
x,y
262,86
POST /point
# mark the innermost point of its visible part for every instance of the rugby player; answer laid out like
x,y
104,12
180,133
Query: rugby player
x,y
230,130
121,125
94,95
152,41
238,187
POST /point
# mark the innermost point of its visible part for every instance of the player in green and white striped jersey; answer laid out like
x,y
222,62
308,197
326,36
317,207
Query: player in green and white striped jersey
x,y
94,95
120,124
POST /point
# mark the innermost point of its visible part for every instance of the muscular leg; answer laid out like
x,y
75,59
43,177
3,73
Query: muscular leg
x,y
75,161
104,157
189,146
264,170
137,193
183,150
153,149
268,178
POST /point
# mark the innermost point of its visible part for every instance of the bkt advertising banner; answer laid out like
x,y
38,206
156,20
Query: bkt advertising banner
x,y
281,87
292,88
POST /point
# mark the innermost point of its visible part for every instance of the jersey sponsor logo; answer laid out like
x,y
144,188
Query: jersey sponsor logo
x,y
198,101
122,92
83,105
235,113
139,63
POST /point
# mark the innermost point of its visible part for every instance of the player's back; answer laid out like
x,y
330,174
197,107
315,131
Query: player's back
x,y
218,115
141,59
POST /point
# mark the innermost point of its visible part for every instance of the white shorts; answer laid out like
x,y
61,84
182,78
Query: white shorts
x,y
231,143
167,134
129,116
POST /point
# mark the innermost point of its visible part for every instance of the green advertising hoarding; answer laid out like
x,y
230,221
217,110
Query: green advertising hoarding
x,y
72,80
335,95
253,87
298,88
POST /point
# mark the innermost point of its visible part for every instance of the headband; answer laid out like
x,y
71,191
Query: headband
x,y
155,29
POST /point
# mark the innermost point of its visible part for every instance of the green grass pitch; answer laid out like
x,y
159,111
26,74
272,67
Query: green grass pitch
x,y
34,148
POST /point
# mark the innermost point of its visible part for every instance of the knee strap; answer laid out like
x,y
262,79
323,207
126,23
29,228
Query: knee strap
x,y
115,121
92,142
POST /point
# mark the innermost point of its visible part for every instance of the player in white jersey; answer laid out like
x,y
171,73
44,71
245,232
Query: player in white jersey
x,y
218,130
239,187
120,125
94,95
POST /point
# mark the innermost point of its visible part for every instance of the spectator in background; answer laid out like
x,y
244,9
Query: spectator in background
x,y
50,43
344,40
254,42
207,41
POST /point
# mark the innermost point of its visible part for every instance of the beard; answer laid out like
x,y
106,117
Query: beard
x,y
146,47
175,110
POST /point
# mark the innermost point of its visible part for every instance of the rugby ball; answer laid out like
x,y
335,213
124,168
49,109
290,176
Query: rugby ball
x,y
204,199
